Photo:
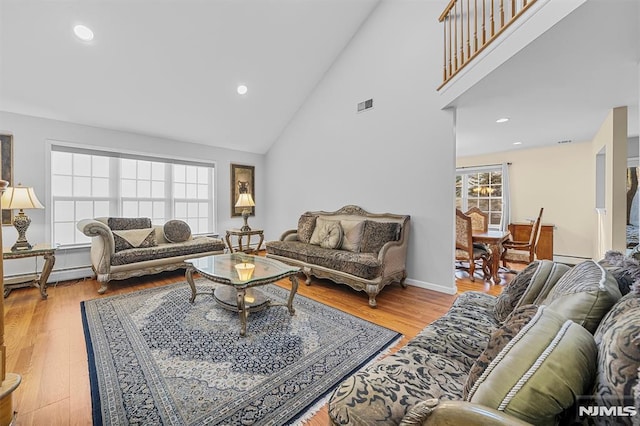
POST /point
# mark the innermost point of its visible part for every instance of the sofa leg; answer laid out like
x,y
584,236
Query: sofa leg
x,y
307,273
372,301
404,277
372,291
103,288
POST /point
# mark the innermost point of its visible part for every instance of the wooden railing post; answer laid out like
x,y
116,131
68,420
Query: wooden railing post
x,y
475,26
468,30
493,24
484,20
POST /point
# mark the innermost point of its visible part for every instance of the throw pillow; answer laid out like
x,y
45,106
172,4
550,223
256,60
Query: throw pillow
x,y
618,340
376,234
134,238
124,223
333,237
534,366
325,233
552,271
306,225
511,294
537,279
352,230
177,231
625,269
584,294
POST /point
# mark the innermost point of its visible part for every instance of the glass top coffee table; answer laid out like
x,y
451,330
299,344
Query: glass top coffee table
x,y
240,273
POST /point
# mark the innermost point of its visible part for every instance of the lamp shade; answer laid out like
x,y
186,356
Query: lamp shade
x,y
245,200
20,197
245,271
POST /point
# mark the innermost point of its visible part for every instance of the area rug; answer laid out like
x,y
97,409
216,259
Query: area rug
x,y
154,358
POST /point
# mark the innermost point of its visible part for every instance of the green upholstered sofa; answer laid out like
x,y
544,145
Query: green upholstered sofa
x,y
130,247
556,338
350,246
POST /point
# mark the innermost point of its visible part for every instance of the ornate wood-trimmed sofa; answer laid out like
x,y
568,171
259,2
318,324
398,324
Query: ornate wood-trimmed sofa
x,y
555,339
365,251
114,259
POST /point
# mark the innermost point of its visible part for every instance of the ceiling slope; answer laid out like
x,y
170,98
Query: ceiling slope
x,y
171,68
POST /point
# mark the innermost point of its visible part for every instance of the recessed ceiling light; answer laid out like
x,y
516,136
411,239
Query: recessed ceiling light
x,y
502,120
517,143
83,33
242,89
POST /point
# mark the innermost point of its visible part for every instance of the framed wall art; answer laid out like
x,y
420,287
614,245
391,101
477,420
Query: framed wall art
x,y
6,151
242,181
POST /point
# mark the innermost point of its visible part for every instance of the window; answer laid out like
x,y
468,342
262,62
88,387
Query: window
x,y
90,183
480,187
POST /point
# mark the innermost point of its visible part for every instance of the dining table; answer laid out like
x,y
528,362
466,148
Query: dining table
x,y
493,238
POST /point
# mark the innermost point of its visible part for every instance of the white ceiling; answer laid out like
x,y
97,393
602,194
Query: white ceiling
x,y
561,86
171,68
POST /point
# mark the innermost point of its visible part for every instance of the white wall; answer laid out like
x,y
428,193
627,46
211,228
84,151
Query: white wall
x,y
560,179
398,157
29,146
611,139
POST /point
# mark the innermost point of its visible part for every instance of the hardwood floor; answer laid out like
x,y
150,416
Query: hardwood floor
x,y
45,340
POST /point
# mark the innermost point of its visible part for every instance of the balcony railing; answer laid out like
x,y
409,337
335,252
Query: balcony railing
x,y
471,25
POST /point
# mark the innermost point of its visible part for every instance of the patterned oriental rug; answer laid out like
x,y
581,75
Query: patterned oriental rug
x,y
155,359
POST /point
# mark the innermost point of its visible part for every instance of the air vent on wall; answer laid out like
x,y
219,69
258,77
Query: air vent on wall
x,y
365,105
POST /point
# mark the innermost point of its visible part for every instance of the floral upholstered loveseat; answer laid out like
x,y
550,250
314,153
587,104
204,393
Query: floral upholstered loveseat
x,y
350,246
556,338
130,247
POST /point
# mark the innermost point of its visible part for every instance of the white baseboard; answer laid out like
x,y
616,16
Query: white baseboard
x,y
569,260
431,286
70,274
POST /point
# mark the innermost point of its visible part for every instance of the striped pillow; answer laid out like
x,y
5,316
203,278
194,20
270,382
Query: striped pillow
x,y
584,294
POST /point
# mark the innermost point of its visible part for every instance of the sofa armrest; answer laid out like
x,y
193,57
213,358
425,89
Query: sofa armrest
x,y
290,235
449,413
102,244
393,254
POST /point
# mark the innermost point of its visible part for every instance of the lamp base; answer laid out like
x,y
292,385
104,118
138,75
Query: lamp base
x,y
21,222
245,216
21,246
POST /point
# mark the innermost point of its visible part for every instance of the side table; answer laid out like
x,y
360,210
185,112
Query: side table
x,y
240,234
39,281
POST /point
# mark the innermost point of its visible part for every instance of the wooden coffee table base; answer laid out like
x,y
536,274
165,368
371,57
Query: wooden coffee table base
x,y
247,299
227,297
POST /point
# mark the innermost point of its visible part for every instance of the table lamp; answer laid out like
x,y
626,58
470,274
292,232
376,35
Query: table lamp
x,y
245,200
21,197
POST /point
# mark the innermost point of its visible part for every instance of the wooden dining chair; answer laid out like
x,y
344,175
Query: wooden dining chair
x,y
466,252
523,251
479,219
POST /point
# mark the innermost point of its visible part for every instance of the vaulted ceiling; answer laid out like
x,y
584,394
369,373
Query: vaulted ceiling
x,y
171,68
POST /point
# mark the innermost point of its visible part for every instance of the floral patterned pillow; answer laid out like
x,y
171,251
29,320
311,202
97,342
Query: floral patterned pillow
x,y
376,234
306,225
177,231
